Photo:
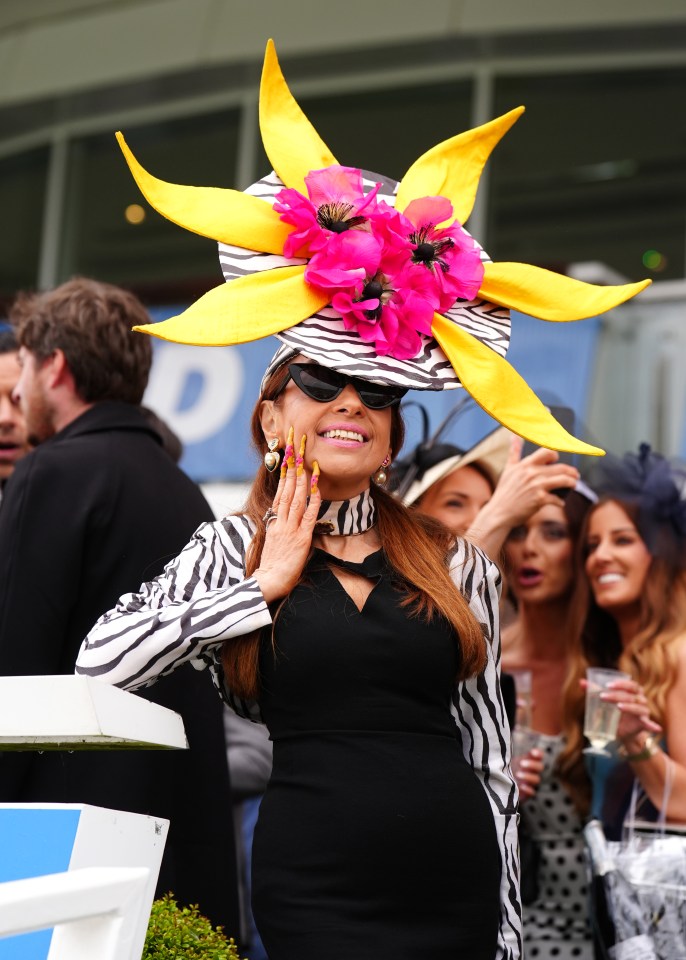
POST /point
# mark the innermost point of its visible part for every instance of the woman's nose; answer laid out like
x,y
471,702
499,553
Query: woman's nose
x,y
602,553
530,543
348,401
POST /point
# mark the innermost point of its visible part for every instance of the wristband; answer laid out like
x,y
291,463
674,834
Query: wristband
x,y
649,749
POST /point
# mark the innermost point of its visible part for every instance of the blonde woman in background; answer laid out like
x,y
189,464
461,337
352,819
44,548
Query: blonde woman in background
x,y
634,544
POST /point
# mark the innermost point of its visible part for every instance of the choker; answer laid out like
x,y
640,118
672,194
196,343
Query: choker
x,y
345,518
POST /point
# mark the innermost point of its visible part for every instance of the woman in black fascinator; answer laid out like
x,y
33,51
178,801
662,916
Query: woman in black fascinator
x,y
634,543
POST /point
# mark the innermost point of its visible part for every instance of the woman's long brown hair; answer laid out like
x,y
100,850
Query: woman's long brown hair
x,y
415,547
650,657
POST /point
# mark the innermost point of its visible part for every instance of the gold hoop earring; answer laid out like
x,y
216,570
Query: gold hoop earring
x,y
272,457
380,477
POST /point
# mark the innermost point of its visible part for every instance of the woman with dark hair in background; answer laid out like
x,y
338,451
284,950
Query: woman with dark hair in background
x,y
541,567
481,493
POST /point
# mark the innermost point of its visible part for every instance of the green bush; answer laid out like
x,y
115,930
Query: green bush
x,y
182,933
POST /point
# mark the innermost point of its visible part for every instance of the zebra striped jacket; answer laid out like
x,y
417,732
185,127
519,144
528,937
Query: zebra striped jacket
x,y
204,598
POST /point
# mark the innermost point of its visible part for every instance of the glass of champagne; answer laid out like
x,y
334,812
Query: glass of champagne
x,y
523,741
522,681
601,718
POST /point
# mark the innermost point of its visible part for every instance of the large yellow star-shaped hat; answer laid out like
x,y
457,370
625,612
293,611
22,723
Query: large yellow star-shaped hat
x,y
373,278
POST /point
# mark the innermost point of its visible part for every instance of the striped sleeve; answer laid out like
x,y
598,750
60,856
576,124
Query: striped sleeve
x,y
183,616
480,715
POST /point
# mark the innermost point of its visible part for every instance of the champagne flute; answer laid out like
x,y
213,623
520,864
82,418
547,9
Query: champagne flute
x,y
523,741
522,681
601,718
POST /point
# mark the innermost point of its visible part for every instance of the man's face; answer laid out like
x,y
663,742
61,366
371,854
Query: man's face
x,y
33,396
13,437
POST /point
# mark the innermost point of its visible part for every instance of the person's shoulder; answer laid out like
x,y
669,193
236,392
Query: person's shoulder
x,y
676,694
48,461
678,651
472,560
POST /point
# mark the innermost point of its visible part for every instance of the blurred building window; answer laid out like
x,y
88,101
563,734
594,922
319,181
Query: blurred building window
x,y
384,131
111,233
595,170
22,197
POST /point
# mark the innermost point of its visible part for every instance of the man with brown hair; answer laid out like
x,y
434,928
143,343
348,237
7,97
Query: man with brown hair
x,y
98,508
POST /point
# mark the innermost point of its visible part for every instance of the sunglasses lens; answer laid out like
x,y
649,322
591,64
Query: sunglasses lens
x,y
317,382
322,384
380,398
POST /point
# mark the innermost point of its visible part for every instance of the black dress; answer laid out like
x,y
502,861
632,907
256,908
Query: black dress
x,y
375,838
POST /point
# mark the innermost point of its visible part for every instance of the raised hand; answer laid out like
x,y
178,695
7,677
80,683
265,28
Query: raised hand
x,y
635,709
290,525
527,485
524,487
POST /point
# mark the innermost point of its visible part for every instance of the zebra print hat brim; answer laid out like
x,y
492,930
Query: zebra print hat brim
x,y
324,339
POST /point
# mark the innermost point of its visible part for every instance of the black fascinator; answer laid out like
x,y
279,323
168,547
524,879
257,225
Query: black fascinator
x,y
433,459
656,488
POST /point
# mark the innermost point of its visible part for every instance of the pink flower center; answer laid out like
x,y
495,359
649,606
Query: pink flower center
x,y
334,217
430,251
375,290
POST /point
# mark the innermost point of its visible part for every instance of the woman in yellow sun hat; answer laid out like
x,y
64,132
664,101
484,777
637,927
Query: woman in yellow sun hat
x,y
366,639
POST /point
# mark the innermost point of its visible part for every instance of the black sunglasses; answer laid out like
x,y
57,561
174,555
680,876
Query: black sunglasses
x,y
323,385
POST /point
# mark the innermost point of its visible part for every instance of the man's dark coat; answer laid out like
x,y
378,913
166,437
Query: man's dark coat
x,y
88,516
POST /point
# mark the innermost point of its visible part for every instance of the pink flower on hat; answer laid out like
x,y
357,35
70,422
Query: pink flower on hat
x,y
335,204
345,262
352,240
392,312
448,253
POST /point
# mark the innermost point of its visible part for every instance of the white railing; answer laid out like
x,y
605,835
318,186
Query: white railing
x,y
95,911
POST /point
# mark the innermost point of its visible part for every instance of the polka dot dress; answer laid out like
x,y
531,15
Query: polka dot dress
x,y
555,925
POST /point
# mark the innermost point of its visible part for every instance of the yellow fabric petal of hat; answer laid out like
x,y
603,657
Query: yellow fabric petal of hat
x,y
453,168
551,296
292,144
501,392
246,309
225,215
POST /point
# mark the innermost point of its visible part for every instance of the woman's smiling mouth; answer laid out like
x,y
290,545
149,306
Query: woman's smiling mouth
x,y
606,578
344,436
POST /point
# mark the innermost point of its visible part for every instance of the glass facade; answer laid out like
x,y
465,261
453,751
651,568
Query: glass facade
x,y
22,200
385,131
594,170
111,233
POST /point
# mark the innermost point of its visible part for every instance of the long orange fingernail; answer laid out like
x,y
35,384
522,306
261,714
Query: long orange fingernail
x,y
314,482
288,458
300,459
